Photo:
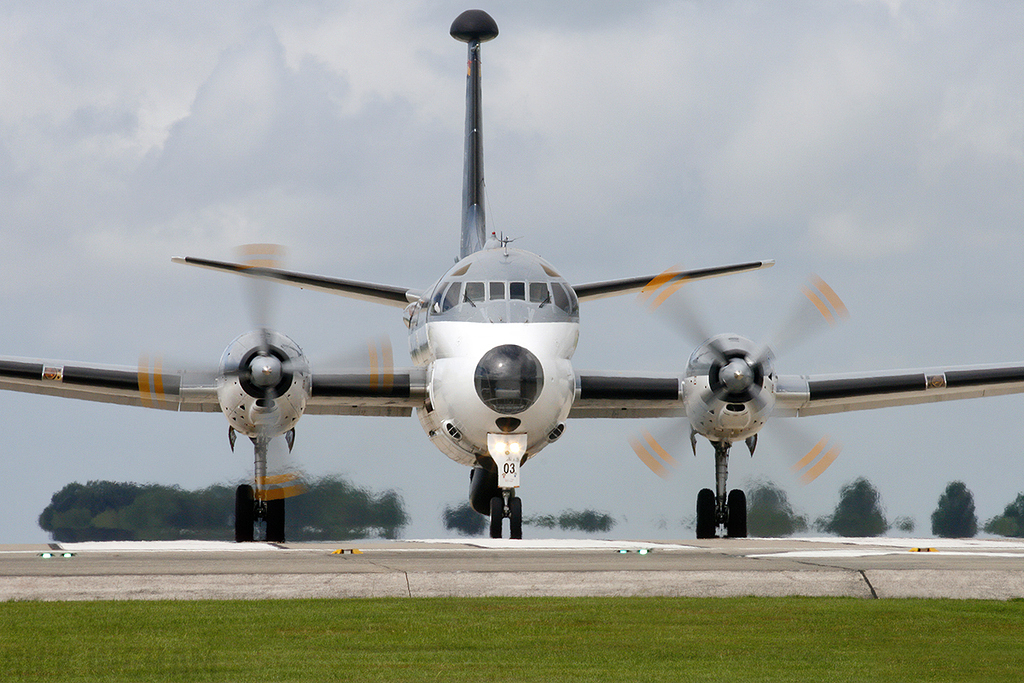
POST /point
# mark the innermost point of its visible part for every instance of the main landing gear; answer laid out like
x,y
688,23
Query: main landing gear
x,y
714,508
251,508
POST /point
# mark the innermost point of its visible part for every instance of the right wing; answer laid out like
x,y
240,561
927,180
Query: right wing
x,y
145,386
388,394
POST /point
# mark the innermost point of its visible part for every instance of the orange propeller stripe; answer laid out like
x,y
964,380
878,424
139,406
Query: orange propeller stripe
x,y
388,365
145,390
276,479
281,493
656,282
822,465
261,255
648,459
667,292
373,363
811,455
658,450
833,298
819,304
158,380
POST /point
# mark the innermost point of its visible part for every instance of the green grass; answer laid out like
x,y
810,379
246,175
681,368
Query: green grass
x,y
502,639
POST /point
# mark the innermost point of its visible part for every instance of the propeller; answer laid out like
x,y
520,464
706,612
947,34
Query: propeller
x,y
736,369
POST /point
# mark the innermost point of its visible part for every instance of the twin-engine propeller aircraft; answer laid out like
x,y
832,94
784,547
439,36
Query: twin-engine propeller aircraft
x,y
492,379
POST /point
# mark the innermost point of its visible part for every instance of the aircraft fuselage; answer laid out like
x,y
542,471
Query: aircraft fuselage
x,y
496,336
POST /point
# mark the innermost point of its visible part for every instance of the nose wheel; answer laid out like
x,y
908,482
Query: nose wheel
x,y
507,505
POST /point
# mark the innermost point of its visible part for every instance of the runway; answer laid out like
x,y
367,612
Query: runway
x,y
194,570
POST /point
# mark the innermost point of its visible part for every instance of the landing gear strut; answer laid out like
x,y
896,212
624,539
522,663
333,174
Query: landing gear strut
x,y
717,508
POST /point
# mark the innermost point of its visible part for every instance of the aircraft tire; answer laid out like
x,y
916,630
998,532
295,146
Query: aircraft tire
x,y
706,514
243,514
497,514
736,527
515,522
275,521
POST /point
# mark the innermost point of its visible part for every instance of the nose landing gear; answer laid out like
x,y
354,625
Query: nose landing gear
x,y
510,506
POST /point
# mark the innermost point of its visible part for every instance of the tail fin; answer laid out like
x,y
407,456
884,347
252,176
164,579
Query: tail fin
x,y
473,27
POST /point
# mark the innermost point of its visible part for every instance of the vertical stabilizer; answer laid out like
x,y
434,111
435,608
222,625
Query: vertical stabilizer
x,y
473,27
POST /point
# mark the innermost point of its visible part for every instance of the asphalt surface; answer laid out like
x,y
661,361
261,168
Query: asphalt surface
x,y
865,568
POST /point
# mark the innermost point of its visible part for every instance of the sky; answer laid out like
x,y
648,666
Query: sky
x,y
878,144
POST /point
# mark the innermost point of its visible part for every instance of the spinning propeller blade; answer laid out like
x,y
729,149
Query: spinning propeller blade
x,y
737,376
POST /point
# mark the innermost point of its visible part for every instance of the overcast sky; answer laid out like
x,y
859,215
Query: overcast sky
x,y
877,144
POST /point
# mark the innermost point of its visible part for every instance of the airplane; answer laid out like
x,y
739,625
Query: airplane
x,y
492,379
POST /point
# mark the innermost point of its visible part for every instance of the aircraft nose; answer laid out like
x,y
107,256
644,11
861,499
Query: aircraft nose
x,y
509,379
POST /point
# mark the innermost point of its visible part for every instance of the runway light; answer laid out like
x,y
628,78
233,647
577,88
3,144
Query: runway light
x,y
46,556
623,551
643,551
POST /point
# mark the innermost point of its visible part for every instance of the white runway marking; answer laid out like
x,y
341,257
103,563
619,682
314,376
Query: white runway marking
x,y
968,547
166,546
557,544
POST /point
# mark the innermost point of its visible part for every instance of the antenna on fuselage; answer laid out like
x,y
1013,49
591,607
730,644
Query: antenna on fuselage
x,y
473,27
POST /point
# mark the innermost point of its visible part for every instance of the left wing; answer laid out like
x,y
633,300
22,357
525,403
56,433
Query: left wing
x,y
671,278
628,396
821,394
621,396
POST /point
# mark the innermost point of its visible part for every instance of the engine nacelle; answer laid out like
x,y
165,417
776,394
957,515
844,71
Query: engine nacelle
x,y
264,383
730,388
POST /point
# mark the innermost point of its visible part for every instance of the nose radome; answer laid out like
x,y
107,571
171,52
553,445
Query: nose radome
x,y
509,379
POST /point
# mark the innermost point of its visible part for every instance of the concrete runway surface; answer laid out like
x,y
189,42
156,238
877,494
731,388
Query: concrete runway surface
x,y
195,570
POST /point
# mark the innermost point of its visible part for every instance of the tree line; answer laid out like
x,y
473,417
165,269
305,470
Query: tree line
x,y
860,513
332,509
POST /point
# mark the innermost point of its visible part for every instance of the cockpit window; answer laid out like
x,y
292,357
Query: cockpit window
x,y
539,293
451,297
474,292
503,286
561,296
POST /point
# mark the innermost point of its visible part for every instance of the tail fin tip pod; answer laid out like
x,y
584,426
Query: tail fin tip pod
x,y
473,27
474,24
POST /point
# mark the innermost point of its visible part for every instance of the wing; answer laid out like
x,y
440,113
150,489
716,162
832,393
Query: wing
x,y
612,395
365,291
146,385
392,394
627,396
670,278
821,394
